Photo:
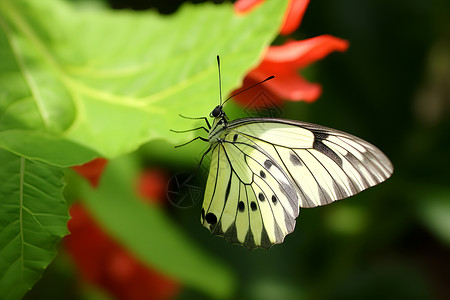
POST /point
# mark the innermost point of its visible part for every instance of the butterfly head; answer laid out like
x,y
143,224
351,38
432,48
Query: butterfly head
x,y
218,113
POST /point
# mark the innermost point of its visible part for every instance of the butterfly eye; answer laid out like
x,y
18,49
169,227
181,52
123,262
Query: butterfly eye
x,y
216,112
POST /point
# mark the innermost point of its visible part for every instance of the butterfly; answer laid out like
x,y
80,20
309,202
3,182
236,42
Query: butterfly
x,y
263,170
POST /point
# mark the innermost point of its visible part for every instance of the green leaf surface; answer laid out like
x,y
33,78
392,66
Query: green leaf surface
x,y
146,231
109,81
33,217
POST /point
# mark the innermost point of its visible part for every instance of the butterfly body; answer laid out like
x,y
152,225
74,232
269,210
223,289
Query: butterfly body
x,y
219,125
263,170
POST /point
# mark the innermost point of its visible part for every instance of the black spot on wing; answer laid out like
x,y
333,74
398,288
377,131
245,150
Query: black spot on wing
x,y
261,197
262,174
324,149
241,206
211,219
235,137
268,163
294,159
274,199
253,206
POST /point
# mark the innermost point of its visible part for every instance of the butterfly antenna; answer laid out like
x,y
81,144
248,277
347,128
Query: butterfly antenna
x,y
220,80
246,89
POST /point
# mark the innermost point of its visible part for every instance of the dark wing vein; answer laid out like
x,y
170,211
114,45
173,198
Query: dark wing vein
x,y
335,183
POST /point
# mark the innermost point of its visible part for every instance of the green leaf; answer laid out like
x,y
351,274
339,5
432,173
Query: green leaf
x,y
150,234
105,82
33,217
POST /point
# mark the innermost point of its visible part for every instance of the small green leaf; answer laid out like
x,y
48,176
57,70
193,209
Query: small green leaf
x,y
148,232
109,81
33,217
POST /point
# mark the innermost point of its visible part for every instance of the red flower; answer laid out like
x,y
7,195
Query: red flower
x,y
285,60
244,6
292,18
104,262
152,185
92,170
294,15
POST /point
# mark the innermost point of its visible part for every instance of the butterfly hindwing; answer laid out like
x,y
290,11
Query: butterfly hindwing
x,y
249,199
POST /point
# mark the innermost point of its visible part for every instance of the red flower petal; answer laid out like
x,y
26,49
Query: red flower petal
x,y
284,61
300,54
103,262
245,6
152,185
288,84
92,170
293,16
257,97
87,244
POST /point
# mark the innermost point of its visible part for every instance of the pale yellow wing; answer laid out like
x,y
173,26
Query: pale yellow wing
x,y
325,164
249,199
263,170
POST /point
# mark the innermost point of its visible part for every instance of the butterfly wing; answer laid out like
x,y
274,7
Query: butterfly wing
x,y
325,164
263,170
248,200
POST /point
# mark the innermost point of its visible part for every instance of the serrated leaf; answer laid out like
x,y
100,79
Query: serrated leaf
x,y
110,81
146,231
33,217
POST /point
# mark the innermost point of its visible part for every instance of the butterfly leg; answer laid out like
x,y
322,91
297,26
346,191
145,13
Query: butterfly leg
x,y
203,156
198,166
200,118
193,129
199,137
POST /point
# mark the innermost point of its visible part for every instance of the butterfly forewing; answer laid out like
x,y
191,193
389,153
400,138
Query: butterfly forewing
x,y
331,165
